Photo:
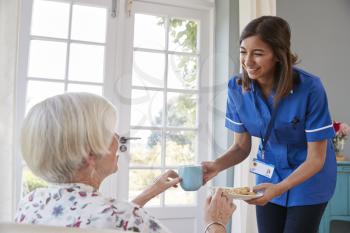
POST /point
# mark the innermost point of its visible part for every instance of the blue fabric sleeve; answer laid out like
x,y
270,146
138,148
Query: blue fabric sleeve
x,y
318,125
232,121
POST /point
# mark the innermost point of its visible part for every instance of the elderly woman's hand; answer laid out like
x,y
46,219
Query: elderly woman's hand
x,y
218,210
166,180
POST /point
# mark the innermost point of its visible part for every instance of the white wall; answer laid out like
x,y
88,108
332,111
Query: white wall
x,y
321,37
8,48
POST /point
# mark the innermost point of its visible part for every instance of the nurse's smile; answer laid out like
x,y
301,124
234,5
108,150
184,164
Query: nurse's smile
x,y
257,59
252,71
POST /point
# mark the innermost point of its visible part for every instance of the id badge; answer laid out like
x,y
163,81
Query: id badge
x,y
261,168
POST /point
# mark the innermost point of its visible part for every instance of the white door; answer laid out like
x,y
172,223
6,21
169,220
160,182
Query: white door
x,y
152,61
164,88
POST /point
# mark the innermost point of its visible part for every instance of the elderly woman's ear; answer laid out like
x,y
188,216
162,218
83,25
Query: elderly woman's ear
x,y
84,172
88,161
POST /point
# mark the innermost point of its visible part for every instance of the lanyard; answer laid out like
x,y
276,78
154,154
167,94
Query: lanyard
x,y
268,131
269,127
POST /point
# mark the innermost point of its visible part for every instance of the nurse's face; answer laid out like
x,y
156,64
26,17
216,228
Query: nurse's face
x,y
257,59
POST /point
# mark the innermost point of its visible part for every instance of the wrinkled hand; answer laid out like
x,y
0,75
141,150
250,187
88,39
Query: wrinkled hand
x,y
218,208
166,180
270,191
209,170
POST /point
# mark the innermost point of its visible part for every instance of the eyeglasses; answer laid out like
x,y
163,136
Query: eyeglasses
x,y
117,137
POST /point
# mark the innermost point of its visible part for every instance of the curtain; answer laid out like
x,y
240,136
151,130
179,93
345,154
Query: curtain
x,y
244,219
8,46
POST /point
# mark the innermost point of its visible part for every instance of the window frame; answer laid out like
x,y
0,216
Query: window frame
x,y
119,67
25,38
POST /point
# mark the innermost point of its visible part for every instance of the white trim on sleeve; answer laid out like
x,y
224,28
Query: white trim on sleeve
x,y
236,123
318,129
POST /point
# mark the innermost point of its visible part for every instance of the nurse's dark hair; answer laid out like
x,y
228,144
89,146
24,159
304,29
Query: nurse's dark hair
x,y
275,32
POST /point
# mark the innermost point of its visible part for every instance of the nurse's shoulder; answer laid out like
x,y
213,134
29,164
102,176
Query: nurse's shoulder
x,y
235,83
308,80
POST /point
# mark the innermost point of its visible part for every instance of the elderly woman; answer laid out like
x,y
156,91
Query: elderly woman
x,y
69,140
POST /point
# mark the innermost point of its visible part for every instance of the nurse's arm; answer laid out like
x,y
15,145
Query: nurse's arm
x,y
316,156
238,151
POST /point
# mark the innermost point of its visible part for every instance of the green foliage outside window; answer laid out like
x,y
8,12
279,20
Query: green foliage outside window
x,y
187,38
32,182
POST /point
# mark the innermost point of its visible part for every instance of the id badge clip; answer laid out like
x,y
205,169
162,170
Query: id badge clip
x,y
261,168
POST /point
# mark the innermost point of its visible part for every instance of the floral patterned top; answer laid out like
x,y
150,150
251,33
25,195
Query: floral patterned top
x,y
78,205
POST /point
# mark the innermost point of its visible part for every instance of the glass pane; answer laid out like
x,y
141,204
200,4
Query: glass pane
x,y
183,35
139,179
86,63
182,110
146,108
85,88
180,148
50,19
47,59
89,23
149,32
177,196
148,69
147,150
182,72
31,182
38,91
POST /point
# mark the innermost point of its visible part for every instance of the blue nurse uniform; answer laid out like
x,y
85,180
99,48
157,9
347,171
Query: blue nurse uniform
x,y
301,117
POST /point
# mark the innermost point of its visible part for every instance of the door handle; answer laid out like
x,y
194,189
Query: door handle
x,y
123,141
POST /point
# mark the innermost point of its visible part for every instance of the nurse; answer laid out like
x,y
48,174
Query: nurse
x,y
286,107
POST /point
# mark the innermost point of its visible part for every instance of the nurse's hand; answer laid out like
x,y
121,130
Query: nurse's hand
x,y
270,191
210,170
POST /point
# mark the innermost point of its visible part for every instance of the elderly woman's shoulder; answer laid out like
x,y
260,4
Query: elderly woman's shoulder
x,y
83,207
74,198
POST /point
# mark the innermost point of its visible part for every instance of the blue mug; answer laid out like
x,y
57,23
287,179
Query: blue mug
x,y
191,177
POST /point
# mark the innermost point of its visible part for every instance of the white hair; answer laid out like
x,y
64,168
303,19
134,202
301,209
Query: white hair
x,y
59,132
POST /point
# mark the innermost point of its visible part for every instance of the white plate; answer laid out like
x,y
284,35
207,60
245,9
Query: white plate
x,y
238,196
244,197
